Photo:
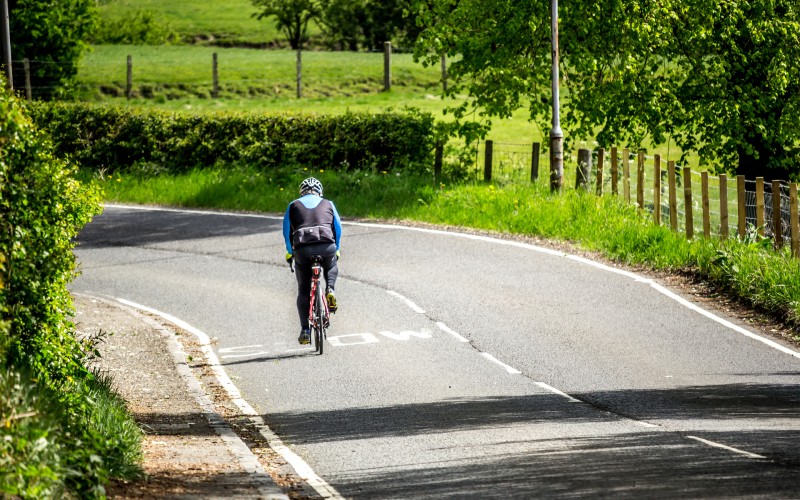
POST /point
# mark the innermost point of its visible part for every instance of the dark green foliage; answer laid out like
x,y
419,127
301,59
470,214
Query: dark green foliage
x,y
354,24
52,35
112,138
141,28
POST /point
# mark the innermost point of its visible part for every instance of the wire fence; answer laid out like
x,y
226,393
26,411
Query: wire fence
x,y
687,201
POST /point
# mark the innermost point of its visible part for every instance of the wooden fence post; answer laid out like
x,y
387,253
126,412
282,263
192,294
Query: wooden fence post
x,y
601,160
487,161
535,161
215,75
26,66
614,171
723,206
687,198
673,196
444,73
740,189
299,73
640,180
626,175
129,84
794,220
657,190
706,205
437,163
583,170
387,66
777,220
760,205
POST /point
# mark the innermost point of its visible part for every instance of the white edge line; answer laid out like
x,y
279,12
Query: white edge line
x,y
517,244
725,447
409,302
446,329
300,466
552,389
509,369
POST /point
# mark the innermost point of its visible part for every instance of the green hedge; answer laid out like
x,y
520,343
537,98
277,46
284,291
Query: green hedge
x,y
63,432
116,138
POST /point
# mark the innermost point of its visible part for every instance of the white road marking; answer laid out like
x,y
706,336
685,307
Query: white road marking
x,y
725,447
300,466
509,369
358,338
446,329
552,389
498,241
412,305
244,351
407,334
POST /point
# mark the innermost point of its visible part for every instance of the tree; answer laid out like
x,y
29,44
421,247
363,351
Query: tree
x,y
52,35
343,21
717,78
354,24
291,17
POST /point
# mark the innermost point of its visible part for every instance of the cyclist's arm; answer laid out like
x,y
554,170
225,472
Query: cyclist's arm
x,y
287,231
337,226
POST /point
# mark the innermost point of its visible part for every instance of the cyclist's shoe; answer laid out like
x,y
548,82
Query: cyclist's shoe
x,y
332,305
305,337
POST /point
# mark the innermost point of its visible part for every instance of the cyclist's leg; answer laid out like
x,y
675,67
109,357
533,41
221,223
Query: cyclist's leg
x,y
302,269
329,265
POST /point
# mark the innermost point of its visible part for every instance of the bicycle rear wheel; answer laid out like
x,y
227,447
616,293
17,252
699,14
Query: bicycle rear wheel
x,y
319,313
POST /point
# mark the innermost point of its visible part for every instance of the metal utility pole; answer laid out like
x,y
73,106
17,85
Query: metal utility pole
x,y
556,135
5,33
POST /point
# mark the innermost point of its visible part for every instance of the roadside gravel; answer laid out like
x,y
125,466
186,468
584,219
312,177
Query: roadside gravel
x,y
195,444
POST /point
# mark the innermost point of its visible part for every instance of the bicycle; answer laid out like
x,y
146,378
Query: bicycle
x,y
318,313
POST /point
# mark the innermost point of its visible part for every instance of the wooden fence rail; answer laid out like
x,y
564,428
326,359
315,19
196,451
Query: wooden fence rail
x,y
769,211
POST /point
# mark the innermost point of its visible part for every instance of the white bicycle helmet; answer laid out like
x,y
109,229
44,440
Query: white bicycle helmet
x,y
310,185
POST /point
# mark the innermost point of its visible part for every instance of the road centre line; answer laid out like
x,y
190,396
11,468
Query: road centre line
x,y
414,307
725,447
446,329
509,369
552,389
512,243
300,466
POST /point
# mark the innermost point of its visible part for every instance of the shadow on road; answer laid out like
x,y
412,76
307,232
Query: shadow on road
x,y
646,465
130,227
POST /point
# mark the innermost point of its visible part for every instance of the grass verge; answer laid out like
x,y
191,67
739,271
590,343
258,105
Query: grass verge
x,y
66,443
765,279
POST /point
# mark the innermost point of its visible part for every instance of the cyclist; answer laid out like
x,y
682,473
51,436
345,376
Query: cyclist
x,y
311,226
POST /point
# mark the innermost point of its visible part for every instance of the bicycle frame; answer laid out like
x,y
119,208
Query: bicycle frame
x,y
318,314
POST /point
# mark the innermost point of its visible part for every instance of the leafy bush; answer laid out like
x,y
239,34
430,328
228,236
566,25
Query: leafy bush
x,y
62,429
141,28
30,455
52,35
114,138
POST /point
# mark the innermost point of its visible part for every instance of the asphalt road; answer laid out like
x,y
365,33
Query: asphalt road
x,y
462,366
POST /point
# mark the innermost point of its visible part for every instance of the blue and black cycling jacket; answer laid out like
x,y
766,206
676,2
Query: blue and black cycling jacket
x,y
311,219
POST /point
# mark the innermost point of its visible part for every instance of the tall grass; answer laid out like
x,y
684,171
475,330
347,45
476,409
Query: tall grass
x,y
63,444
748,269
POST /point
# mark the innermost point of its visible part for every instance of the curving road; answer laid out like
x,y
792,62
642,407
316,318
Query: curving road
x,y
462,366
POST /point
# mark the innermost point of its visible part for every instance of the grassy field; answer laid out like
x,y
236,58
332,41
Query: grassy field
x,y
228,21
250,72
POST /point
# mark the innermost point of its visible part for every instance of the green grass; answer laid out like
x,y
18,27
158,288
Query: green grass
x,y
767,279
227,21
